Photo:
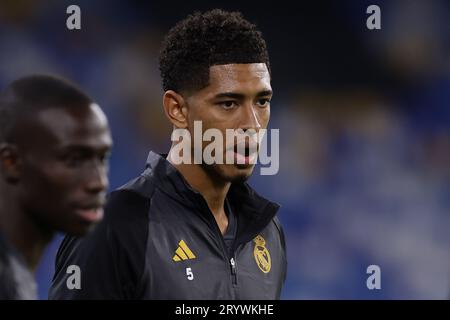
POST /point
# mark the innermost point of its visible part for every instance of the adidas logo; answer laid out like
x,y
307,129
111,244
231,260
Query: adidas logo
x,y
183,252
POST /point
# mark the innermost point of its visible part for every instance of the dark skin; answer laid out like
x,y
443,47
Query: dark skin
x,y
237,97
53,176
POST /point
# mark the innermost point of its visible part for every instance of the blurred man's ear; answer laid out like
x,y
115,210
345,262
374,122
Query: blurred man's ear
x,y
9,162
175,109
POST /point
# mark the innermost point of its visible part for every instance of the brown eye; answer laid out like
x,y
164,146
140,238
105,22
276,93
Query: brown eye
x,y
229,104
263,102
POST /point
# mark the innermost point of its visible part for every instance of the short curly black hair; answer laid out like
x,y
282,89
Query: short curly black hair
x,y
202,40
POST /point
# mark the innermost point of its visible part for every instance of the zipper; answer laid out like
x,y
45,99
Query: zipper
x,y
233,270
232,261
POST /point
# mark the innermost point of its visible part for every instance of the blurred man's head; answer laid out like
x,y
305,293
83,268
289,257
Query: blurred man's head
x,y
215,68
54,147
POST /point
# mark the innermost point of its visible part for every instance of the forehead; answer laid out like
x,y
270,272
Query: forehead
x,y
86,125
239,77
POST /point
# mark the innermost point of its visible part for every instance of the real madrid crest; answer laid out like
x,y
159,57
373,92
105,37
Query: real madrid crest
x,y
261,254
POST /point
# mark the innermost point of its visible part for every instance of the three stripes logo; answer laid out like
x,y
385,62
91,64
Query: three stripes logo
x,y
183,252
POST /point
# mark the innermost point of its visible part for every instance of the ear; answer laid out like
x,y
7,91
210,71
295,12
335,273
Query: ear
x,y
175,108
10,162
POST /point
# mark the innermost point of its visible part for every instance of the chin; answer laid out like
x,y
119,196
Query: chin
x,y
230,173
238,174
80,229
240,178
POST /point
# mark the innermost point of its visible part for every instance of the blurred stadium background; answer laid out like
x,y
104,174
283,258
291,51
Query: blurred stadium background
x,y
364,120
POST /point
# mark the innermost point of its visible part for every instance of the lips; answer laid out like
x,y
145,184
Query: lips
x,y
243,150
242,154
91,214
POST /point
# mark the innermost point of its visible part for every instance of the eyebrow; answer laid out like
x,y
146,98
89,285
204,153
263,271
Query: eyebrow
x,y
235,95
87,148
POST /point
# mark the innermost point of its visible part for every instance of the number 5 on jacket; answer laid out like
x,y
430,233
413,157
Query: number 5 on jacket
x,y
189,274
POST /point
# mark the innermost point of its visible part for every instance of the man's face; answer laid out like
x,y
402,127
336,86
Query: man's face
x,y
237,97
64,153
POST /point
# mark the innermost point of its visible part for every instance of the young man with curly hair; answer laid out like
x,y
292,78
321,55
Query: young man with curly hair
x,y
191,230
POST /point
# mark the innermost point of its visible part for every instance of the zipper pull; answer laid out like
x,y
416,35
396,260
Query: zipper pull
x,y
233,266
233,271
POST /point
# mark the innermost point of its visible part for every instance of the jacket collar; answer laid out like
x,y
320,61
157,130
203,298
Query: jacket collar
x,y
253,211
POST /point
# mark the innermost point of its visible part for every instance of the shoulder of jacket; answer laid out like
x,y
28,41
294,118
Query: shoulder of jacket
x,y
144,185
279,227
277,224
130,202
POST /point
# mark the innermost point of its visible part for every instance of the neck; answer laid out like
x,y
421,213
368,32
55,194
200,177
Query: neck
x,y
213,190
21,231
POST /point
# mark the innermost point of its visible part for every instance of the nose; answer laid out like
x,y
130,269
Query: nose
x,y
250,119
97,179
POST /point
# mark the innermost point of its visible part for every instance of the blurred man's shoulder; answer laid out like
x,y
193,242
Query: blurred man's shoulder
x,y
16,280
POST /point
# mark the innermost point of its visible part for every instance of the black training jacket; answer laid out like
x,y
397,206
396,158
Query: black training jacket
x,y
159,240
